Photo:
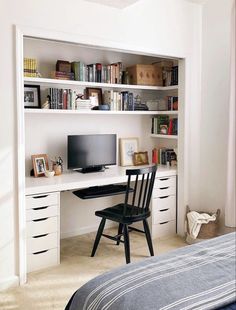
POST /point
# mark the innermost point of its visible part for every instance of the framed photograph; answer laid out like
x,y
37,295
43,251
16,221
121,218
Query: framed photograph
x,y
140,158
94,92
128,146
40,164
32,96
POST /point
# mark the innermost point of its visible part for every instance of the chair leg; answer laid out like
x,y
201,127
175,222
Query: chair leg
x,y
98,236
126,243
120,229
148,237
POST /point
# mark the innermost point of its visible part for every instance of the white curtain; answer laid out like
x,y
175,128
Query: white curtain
x,y
230,207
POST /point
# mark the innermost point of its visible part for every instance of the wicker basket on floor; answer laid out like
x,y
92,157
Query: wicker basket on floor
x,y
209,230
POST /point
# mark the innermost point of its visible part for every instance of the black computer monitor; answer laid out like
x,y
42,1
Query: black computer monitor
x,y
89,153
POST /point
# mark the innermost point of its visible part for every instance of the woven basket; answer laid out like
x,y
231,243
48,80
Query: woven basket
x,y
209,230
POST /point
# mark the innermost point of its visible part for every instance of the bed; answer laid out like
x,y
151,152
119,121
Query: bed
x,y
199,276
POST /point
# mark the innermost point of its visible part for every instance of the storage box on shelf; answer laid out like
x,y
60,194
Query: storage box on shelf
x,y
145,75
42,230
164,207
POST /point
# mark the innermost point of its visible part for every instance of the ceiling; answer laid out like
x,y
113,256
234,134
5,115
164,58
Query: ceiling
x,y
120,4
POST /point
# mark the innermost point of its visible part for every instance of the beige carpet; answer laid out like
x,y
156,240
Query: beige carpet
x,y
52,288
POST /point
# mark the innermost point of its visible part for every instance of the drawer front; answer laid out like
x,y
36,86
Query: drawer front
x,y
42,260
164,191
42,226
163,202
42,200
165,182
41,212
42,242
160,216
164,229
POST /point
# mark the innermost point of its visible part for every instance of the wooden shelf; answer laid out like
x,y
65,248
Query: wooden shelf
x,y
88,112
164,136
54,82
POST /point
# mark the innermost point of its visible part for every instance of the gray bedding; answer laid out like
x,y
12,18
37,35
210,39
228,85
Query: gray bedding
x,y
200,276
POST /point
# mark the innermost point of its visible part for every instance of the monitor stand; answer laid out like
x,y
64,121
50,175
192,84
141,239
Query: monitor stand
x,y
92,169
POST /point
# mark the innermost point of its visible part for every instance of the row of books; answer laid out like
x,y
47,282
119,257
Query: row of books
x,y
98,72
166,156
172,103
62,98
30,67
170,76
164,125
119,101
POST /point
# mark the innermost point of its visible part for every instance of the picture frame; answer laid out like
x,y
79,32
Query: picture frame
x,y
40,164
141,158
94,92
32,96
128,146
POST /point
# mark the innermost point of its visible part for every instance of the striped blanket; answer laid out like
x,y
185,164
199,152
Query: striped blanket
x,y
200,276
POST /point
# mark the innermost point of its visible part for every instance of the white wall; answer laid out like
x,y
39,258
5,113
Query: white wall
x,y
163,26
215,102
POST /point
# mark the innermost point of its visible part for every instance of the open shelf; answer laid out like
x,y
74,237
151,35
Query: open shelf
x,y
164,136
51,82
88,112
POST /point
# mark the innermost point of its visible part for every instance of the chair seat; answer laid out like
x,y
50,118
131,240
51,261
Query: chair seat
x,y
115,213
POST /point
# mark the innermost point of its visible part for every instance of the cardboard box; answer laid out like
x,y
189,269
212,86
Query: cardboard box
x,y
150,75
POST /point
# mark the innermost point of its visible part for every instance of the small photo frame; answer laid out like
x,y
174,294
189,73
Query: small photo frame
x,y
141,158
32,96
128,146
40,164
94,92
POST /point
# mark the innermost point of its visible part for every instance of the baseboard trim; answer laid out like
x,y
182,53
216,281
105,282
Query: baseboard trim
x,y
84,230
9,282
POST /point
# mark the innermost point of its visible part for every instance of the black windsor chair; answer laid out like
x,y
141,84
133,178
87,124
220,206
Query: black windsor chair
x,y
134,209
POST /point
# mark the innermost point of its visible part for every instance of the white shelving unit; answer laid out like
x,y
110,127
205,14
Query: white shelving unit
x,y
164,136
55,82
37,133
92,112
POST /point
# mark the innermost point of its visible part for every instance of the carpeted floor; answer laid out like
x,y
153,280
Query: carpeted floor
x,y
51,288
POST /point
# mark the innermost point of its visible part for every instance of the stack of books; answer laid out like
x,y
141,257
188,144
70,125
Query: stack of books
x,y
172,103
119,101
164,125
61,75
170,76
166,156
30,67
97,72
62,98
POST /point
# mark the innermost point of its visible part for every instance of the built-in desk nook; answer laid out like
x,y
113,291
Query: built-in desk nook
x,y
48,210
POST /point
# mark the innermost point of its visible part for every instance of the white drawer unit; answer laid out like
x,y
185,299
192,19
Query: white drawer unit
x,y
165,182
42,226
164,207
164,229
41,212
42,259
164,202
164,191
42,242
164,214
43,231
43,200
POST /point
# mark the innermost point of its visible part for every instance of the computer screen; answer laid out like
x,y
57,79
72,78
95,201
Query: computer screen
x,y
88,151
